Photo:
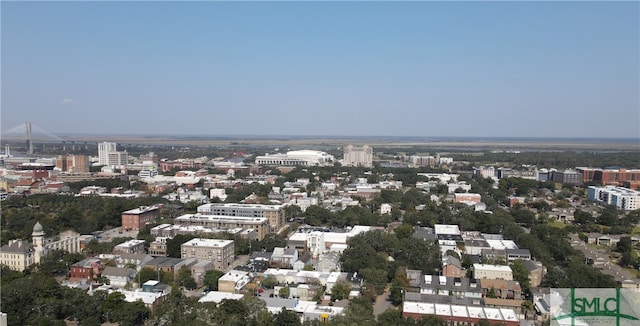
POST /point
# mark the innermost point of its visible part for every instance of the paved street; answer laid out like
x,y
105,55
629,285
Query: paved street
x,y
382,303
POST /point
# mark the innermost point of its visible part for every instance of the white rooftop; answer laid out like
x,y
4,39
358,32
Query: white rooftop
x,y
130,243
146,297
487,267
233,276
448,310
217,296
446,229
502,244
201,242
141,209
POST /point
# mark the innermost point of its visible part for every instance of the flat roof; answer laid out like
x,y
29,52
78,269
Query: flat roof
x,y
502,244
463,311
202,242
140,210
488,267
204,217
217,296
233,276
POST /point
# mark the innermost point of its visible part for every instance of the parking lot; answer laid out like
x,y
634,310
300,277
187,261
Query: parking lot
x,y
111,234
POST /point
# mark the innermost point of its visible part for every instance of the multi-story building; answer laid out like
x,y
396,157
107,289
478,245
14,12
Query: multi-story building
x,y
88,269
492,272
109,156
19,254
73,163
460,314
158,248
220,252
622,198
275,214
138,218
103,152
358,156
567,177
117,158
130,247
297,158
609,176
259,224
233,281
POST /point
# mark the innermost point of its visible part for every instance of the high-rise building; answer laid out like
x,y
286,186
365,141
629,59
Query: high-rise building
x,y
103,152
358,156
117,158
73,163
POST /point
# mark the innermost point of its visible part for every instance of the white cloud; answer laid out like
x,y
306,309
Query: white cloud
x,y
68,101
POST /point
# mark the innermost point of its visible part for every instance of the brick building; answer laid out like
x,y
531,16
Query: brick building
x,y
136,219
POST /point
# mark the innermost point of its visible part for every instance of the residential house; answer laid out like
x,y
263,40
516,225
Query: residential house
x,y
119,277
135,261
515,254
537,271
88,269
501,289
451,267
329,262
283,257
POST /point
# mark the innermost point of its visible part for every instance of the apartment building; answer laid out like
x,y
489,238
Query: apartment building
x,y
220,252
259,224
622,198
275,214
138,218
492,272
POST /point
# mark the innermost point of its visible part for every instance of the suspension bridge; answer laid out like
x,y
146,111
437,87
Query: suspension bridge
x,y
30,133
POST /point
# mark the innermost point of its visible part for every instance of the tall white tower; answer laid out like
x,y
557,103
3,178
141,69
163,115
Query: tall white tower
x,y
103,152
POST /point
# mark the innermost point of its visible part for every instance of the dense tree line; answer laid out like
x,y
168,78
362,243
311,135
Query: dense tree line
x,y
555,159
566,266
379,257
38,299
57,213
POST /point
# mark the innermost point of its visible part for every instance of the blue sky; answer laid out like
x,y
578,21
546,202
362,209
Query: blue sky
x,y
448,69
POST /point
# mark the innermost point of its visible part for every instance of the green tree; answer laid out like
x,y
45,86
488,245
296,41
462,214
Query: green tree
x,y
340,290
231,312
186,279
284,292
146,274
286,318
624,245
521,274
375,279
211,279
269,282
174,245
398,286
359,311
112,305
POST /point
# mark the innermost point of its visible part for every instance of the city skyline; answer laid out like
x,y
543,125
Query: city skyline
x,y
415,69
